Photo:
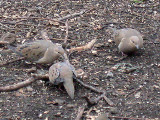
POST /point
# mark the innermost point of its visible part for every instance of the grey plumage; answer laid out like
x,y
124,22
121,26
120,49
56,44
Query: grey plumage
x,y
63,72
128,40
40,51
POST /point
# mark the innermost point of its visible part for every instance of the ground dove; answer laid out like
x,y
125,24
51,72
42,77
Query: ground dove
x,y
63,72
40,51
128,40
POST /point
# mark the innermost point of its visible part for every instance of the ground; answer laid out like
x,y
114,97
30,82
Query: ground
x,y
132,84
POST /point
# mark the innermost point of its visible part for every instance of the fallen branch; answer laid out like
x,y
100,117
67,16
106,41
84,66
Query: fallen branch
x,y
66,37
17,86
92,101
4,42
85,47
129,118
39,18
23,84
3,64
80,113
75,14
108,101
42,77
88,86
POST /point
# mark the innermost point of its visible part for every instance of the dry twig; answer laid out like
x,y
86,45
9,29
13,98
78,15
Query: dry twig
x,y
72,15
39,18
80,113
108,100
4,42
129,118
85,47
66,37
3,64
23,84
88,86
17,86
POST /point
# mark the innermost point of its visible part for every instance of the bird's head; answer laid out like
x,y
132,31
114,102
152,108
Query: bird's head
x,y
61,51
135,41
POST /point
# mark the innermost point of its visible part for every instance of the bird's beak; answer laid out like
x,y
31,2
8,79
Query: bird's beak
x,y
137,46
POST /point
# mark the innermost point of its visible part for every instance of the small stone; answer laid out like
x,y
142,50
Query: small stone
x,y
109,74
46,112
1,100
29,88
110,41
70,105
40,115
58,114
94,52
109,58
137,95
113,110
114,68
46,118
59,101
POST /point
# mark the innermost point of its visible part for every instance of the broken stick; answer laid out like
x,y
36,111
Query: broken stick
x,y
80,113
85,47
88,86
17,86
66,37
3,64
23,84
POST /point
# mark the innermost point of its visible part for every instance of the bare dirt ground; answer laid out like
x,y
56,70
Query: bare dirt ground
x,y
132,84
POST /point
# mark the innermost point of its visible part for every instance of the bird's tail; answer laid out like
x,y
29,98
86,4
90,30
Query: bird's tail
x,y
69,86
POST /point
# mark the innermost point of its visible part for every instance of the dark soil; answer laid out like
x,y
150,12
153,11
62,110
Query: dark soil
x,y
134,86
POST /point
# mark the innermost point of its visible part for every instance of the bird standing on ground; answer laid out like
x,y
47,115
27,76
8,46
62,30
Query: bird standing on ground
x,y
40,51
128,40
63,72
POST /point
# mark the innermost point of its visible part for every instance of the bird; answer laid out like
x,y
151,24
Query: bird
x,y
63,73
39,51
128,40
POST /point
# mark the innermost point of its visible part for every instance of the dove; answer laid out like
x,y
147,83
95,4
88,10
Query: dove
x,y
40,51
128,40
63,73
